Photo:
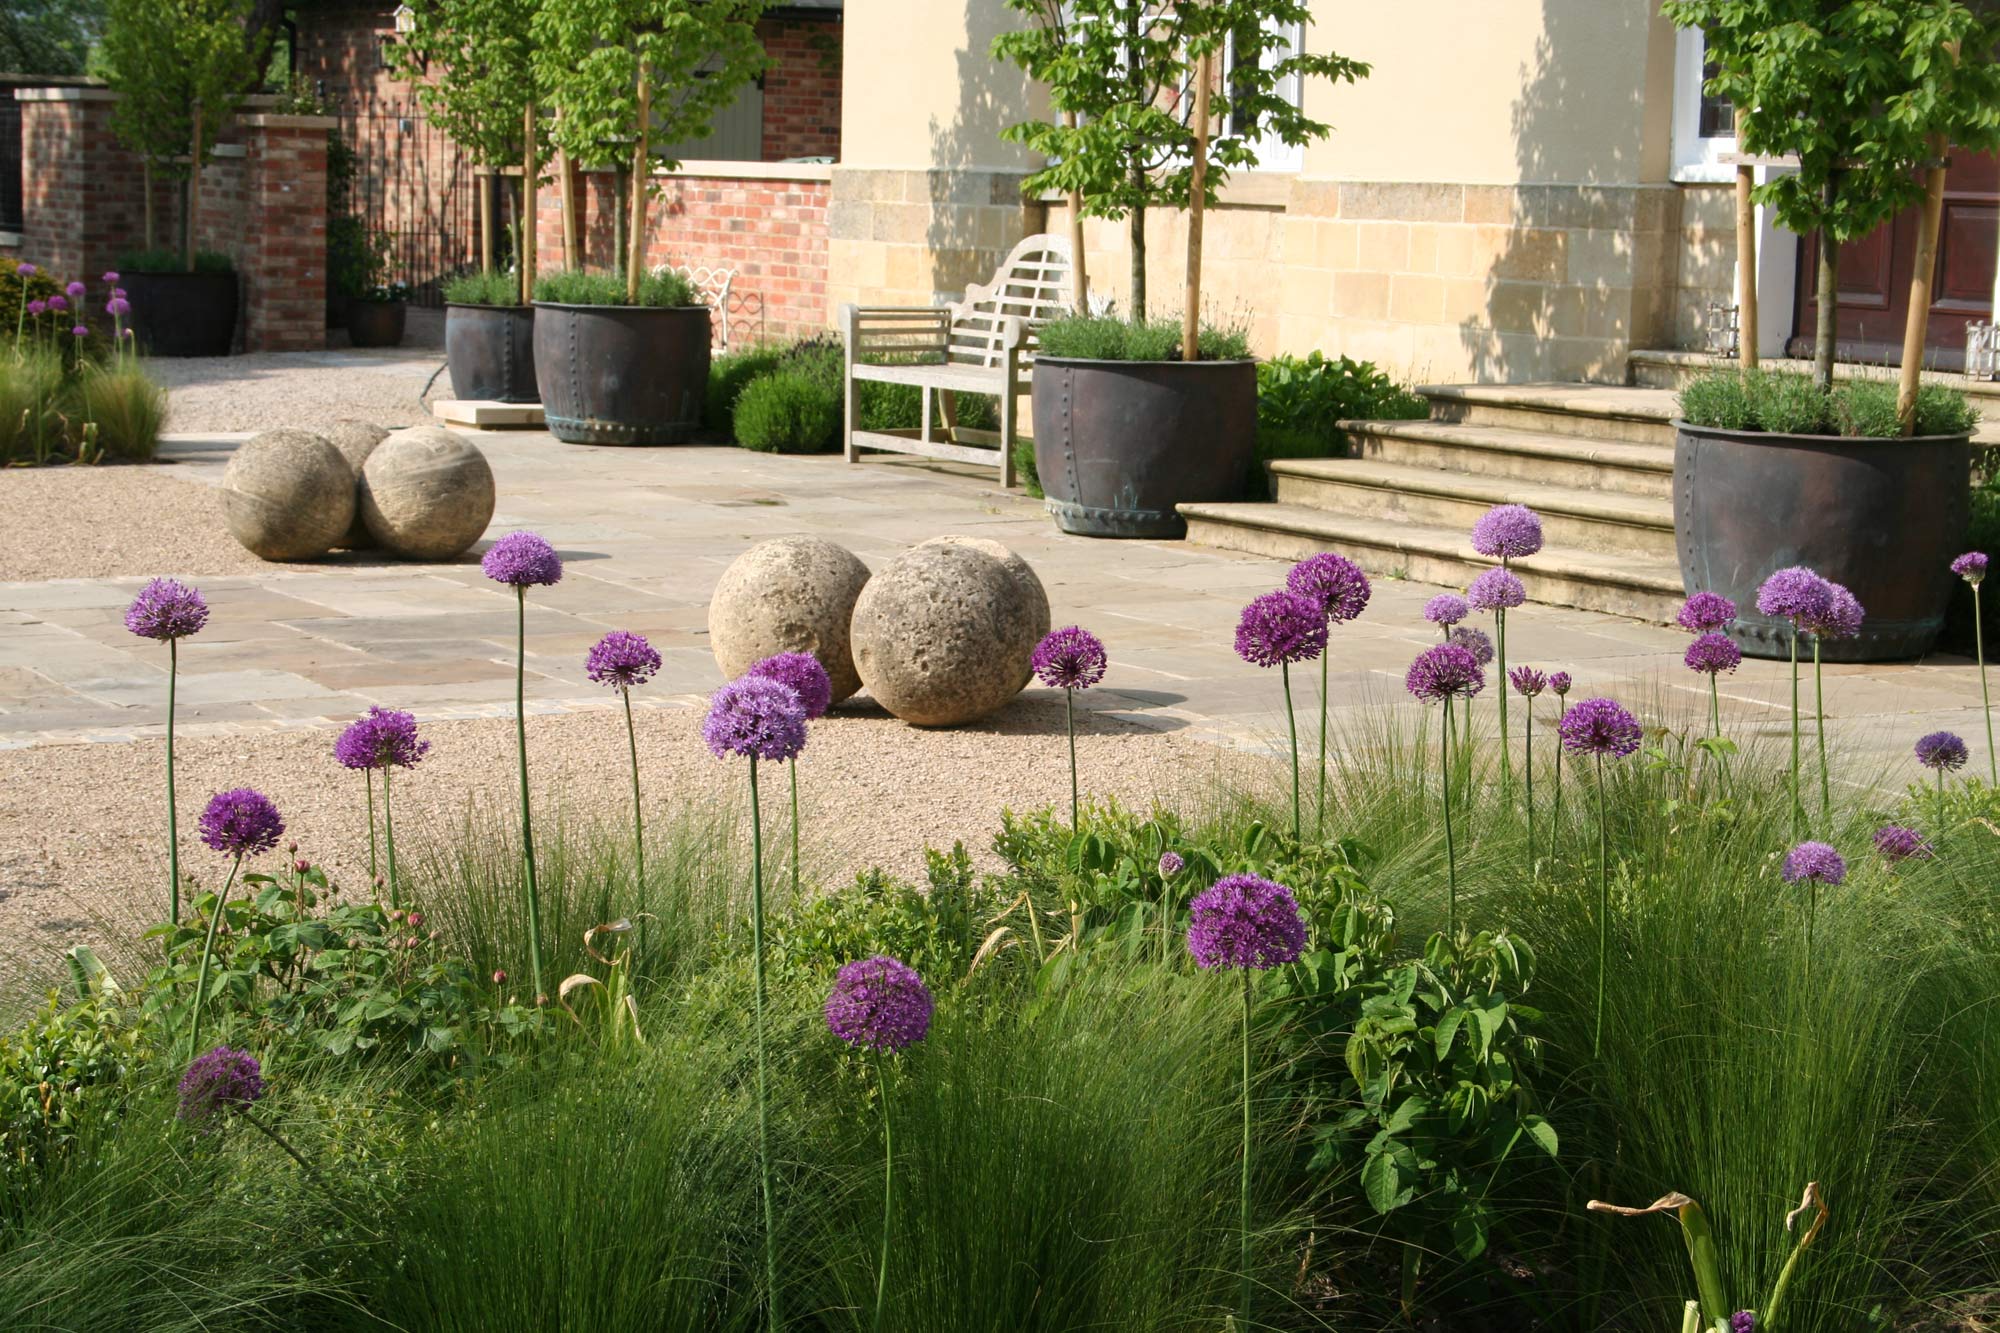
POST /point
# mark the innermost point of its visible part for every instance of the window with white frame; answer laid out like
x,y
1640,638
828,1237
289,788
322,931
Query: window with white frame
x,y
1704,127
1273,153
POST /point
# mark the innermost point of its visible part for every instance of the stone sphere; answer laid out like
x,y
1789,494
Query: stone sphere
x,y
426,494
287,495
792,595
355,440
944,633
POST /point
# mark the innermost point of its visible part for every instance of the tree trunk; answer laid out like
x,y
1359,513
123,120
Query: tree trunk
x,y
193,193
1827,296
641,176
527,256
1135,84
1197,197
619,193
486,223
1921,275
1137,225
568,204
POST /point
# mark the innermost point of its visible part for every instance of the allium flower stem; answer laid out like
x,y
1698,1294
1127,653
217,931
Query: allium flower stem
x,y
534,903
1603,906
389,838
1500,662
1819,722
1292,722
888,1191
1556,816
1714,708
1985,699
368,779
638,818
208,949
1319,806
1243,1313
792,771
1069,720
1450,847
173,824
763,1088
274,1136
1940,799
1798,803
1528,745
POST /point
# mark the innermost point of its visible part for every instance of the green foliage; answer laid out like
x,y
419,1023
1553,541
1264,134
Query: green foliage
x,y
1786,402
165,62
803,414
581,288
934,929
39,287
472,64
63,1073
347,256
1102,338
170,261
1793,404
48,36
480,288
48,396
728,375
1301,400
796,409
1719,400
127,407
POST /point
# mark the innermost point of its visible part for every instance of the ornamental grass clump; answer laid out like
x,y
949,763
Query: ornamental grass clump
x,y
1894,843
803,674
756,718
1528,683
168,611
1972,568
1342,591
1440,675
880,1005
241,822
1069,659
1800,597
384,740
1252,924
522,560
1600,727
623,661
1276,630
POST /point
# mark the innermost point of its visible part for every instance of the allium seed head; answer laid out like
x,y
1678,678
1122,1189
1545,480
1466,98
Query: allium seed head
x,y
1896,843
1840,620
384,738
804,675
1559,683
1171,864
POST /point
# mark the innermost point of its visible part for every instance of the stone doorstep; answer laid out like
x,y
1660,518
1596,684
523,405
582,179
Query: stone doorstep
x,y
483,414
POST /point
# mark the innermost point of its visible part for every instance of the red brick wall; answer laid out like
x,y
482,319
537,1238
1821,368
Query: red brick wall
x,y
801,88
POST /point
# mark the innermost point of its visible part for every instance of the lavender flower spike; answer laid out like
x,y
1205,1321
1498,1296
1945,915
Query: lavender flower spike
x,y
1334,582
1244,921
621,660
522,560
1280,628
1507,532
1446,609
879,1004
755,718
166,609
1070,658
1705,613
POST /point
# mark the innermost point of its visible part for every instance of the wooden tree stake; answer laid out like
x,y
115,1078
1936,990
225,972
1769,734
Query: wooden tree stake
x,y
1920,289
527,256
1079,281
486,222
194,192
1746,259
566,193
641,176
1197,195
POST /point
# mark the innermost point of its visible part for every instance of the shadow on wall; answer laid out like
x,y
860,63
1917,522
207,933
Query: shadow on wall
x,y
975,213
1585,270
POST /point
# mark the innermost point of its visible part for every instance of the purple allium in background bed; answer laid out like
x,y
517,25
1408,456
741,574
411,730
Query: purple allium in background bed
x,y
1941,750
522,560
1814,861
1474,641
1559,683
385,737
1447,609
1971,567
1743,1321
804,675
1447,671
111,275
1335,583
76,291
621,660
58,304
1794,593
117,307
755,718
1280,628
1705,613
1508,532
166,609
219,1082
1840,620
79,332
25,270
38,307
880,1004
1244,921
1896,843
1711,653
1171,864
1070,658
1496,590
242,821
1600,727
1528,682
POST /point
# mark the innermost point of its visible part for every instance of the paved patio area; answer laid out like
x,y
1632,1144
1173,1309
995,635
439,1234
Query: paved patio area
x,y
646,534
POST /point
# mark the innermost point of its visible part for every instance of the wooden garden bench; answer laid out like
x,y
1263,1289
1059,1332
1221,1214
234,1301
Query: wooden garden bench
x,y
982,344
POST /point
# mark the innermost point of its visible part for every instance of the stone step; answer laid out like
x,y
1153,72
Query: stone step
x,y
1601,412
1638,526
1645,588
1520,455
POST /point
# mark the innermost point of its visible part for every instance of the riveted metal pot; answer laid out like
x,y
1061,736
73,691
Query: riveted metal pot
x,y
1884,517
183,314
1119,443
613,374
376,323
491,352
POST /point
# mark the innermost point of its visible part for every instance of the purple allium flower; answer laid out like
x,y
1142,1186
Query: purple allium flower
x,y
1332,581
1711,653
1971,567
755,717
1599,727
1447,671
523,560
805,676
622,660
218,1083
120,293
1244,921
1705,613
1171,864
117,307
79,332
1559,683
1941,750
58,304
1070,658
1814,861
383,738
25,270
1840,620
111,275
242,821
1280,627
879,1003
1496,590
1507,531
38,307
1896,843
1796,594
76,291
166,609
1528,682
1475,641
1743,1321
1447,608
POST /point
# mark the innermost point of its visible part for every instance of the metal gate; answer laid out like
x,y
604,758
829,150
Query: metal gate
x,y
415,186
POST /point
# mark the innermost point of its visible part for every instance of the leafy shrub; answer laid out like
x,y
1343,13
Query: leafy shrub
x,y
793,410
40,286
1106,338
1301,400
934,929
127,407
482,288
794,419
575,287
1790,403
347,255
728,375
172,261
68,1068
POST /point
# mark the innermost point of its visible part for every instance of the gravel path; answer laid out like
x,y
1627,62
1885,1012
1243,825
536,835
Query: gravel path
x,y
118,519
83,858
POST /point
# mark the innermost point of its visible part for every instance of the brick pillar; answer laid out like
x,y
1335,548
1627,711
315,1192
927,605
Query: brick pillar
x,y
282,260
82,198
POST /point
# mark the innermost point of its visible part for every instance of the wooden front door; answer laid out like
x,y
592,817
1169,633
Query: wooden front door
x,y
1874,274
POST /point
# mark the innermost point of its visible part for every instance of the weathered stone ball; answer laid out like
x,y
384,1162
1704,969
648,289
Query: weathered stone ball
x,y
944,633
287,495
792,595
426,494
355,440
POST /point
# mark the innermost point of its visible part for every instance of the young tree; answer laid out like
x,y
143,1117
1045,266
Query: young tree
x,y
1133,74
1865,95
642,72
181,69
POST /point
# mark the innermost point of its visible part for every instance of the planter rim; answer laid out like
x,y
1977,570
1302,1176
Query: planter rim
x,y
483,305
1781,437
179,273
1042,357
370,300
655,309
